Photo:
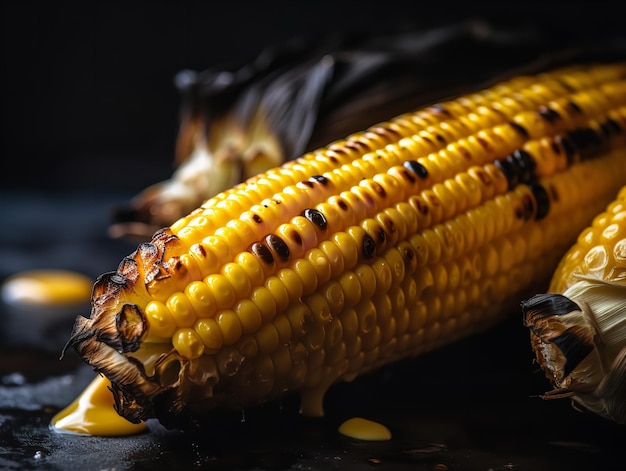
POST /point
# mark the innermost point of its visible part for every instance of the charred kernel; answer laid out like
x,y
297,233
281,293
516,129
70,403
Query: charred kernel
x,y
295,237
586,141
526,164
368,246
574,107
542,201
342,204
519,129
320,179
614,125
256,218
262,252
548,114
278,245
316,218
417,168
510,171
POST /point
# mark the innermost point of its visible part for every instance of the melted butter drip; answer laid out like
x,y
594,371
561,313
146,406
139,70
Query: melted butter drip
x,y
92,413
363,429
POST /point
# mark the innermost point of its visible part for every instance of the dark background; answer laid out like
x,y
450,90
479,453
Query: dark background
x,y
90,116
89,102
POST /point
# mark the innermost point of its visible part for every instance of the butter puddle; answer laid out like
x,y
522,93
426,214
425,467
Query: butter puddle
x,y
363,429
92,413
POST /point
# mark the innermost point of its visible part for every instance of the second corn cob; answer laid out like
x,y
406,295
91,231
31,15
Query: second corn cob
x,y
387,244
578,329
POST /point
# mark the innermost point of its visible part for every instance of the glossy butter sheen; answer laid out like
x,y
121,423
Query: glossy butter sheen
x,y
92,413
364,429
47,287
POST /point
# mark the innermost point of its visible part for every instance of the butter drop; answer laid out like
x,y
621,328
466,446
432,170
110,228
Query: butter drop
x,y
363,429
92,413
47,287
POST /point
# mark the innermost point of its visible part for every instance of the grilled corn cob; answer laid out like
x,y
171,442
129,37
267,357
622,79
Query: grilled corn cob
x,y
578,329
387,244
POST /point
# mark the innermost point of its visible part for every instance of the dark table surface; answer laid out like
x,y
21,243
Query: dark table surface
x,y
469,406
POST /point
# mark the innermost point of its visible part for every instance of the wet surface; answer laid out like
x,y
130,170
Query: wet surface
x,y
460,408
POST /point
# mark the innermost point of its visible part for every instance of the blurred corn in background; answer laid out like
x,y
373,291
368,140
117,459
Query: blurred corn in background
x,y
241,120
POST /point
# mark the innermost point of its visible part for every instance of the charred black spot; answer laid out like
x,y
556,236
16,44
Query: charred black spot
x,y
563,142
554,193
360,145
278,245
521,130
320,179
296,237
420,206
510,171
542,200
417,168
565,84
441,139
574,107
333,160
574,346
548,114
382,235
369,246
262,252
342,204
528,207
409,254
408,176
316,218
390,226
586,141
256,218
614,125
307,183
526,164
427,139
